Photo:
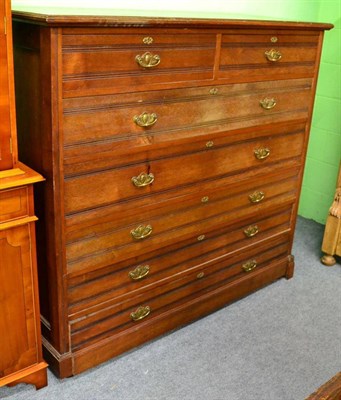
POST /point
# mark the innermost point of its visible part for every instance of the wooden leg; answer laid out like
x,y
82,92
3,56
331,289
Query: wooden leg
x,y
328,260
290,268
331,238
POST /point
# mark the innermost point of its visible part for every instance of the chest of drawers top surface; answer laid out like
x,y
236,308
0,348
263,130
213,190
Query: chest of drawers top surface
x,y
138,18
173,150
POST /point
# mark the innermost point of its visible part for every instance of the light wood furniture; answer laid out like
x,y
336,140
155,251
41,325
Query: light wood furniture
x,y
20,338
173,151
331,244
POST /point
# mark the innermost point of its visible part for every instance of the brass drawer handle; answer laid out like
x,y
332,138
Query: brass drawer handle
x,y
141,232
148,60
268,103
148,40
145,119
140,313
209,144
249,266
273,55
256,197
252,230
139,272
262,153
143,179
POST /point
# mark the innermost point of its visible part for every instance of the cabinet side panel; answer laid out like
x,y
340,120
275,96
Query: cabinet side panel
x,y
38,143
27,64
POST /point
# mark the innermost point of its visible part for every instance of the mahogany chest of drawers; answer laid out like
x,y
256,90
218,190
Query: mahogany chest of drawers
x,y
173,152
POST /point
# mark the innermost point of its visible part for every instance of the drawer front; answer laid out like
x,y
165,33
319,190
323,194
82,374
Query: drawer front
x,y
121,281
85,224
270,56
13,204
123,314
104,155
94,190
106,245
98,62
141,121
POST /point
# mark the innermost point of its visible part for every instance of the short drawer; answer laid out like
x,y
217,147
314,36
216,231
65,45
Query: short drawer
x,y
97,62
249,57
119,281
123,314
98,189
146,120
13,204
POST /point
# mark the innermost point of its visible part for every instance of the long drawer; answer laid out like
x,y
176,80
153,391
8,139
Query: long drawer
x,y
93,326
91,119
98,189
88,223
143,120
104,155
121,280
177,315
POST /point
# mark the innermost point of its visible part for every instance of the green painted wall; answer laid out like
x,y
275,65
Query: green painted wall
x,y
324,150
